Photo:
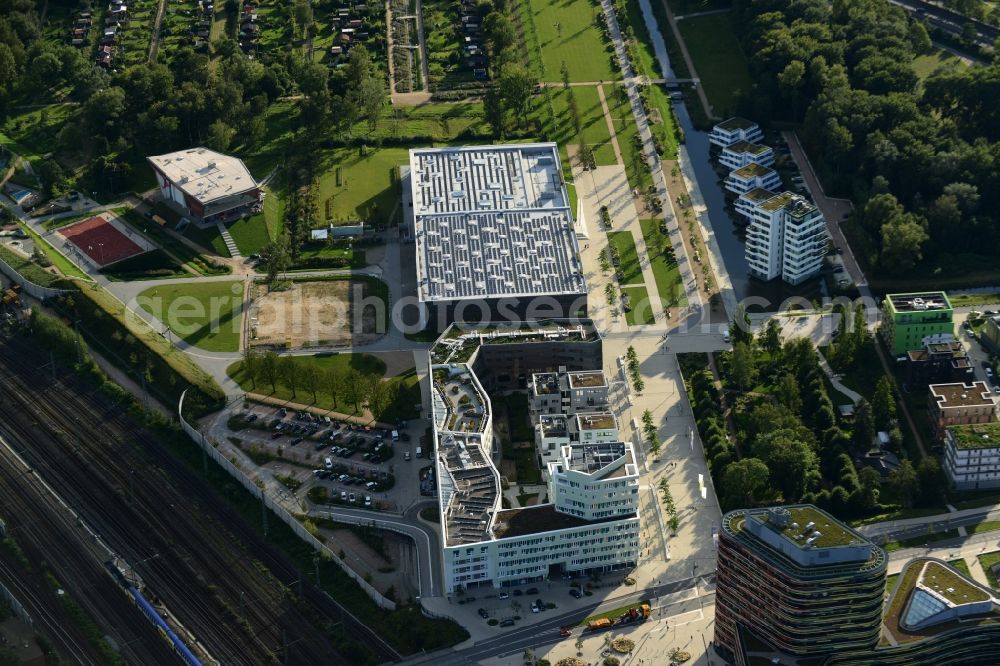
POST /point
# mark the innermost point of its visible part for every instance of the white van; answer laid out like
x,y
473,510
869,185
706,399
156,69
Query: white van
x,y
395,435
419,451
328,463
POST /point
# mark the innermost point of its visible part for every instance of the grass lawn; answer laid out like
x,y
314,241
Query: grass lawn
x,y
668,276
406,385
627,132
890,585
925,65
369,189
662,119
190,258
963,300
630,269
641,312
205,314
567,32
615,613
715,50
65,266
987,561
208,238
916,541
251,234
985,526
959,565
593,125
29,270
146,266
33,133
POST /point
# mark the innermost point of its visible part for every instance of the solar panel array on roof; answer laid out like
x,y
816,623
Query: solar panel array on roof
x,y
492,221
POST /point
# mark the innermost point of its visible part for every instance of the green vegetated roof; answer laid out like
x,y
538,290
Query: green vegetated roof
x,y
951,585
748,147
976,435
736,124
779,201
758,194
833,532
751,170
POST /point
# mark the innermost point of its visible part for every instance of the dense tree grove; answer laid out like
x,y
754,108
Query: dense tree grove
x,y
789,445
920,159
151,108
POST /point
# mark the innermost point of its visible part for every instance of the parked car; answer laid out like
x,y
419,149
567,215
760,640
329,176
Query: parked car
x,y
503,595
482,613
507,622
531,590
575,592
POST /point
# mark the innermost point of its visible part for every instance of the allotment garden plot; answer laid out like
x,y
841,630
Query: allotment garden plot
x,y
321,313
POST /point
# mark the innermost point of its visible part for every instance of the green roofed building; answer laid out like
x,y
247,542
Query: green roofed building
x,y
797,586
972,455
907,319
797,579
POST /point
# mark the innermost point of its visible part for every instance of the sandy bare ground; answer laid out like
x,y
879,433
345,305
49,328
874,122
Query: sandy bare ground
x,y
313,313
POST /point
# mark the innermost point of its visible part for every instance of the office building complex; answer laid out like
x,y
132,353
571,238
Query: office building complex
x,y
568,392
959,404
494,234
909,319
590,522
972,456
797,586
730,131
786,236
797,579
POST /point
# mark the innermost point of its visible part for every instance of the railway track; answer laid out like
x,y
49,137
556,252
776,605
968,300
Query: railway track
x,y
48,535
154,513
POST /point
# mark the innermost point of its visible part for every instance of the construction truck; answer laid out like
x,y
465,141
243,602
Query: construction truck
x,y
600,624
636,614
11,298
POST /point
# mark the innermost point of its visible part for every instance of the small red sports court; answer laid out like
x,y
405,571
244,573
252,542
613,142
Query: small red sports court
x,y
101,241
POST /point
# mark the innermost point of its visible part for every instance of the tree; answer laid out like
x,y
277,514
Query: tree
x,y
930,482
289,371
334,382
274,257
515,86
302,15
883,404
745,482
790,80
739,328
269,370
251,365
788,393
743,365
901,245
864,426
791,461
311,379
220,135
770,337
871,481
353,390
903,482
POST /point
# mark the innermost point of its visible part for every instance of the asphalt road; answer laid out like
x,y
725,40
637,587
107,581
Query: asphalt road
x,y
547,631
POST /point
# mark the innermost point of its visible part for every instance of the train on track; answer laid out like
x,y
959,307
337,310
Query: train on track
x,y
132,585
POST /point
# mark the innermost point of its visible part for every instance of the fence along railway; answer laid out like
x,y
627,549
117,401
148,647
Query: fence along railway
x,y
157,515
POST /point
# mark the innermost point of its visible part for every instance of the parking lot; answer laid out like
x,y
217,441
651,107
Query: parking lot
x,y
328,461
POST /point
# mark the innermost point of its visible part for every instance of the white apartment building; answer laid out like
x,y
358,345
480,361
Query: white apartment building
x,y
595,481
591,522
730,131
751,177
786,237
972,455
747,203
568,392
742,153
554,431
